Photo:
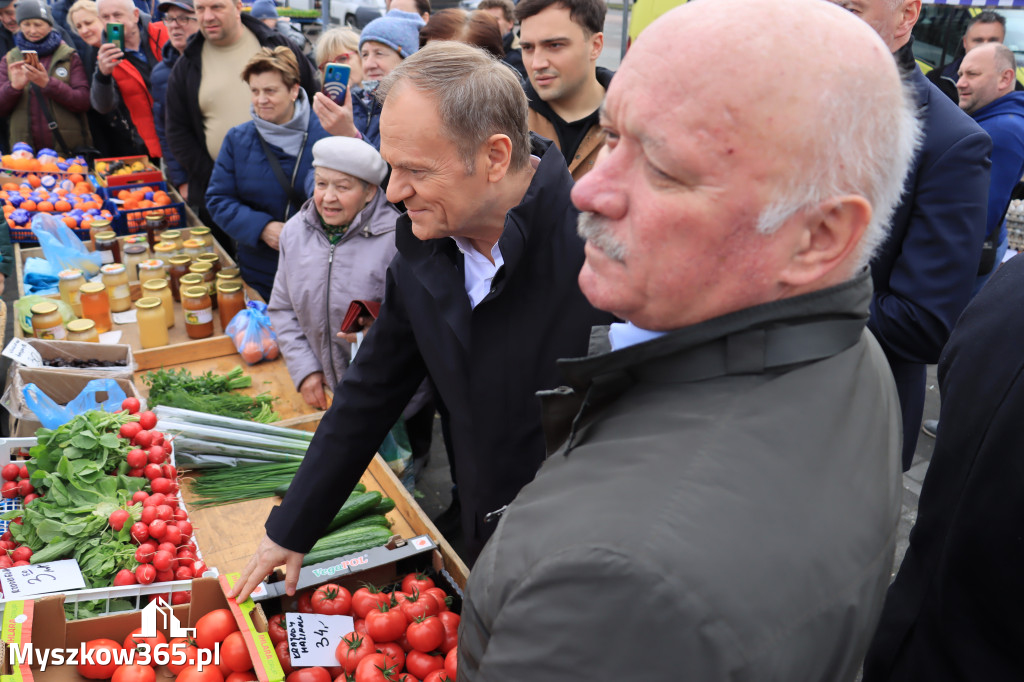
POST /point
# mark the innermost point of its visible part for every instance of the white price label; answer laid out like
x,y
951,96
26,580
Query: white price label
x,y
23,354
313,638
126,317
55,576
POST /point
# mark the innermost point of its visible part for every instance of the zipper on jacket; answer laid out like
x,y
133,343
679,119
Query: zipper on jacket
x,y
327,306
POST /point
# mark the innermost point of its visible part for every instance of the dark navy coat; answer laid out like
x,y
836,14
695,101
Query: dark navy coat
x,y
244,195
926,269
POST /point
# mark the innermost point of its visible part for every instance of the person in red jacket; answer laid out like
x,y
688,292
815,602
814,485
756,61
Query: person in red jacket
x,y
121,82
42,80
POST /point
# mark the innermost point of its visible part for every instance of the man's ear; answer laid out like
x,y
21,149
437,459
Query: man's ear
x,y
826,239
1007,80
596,46
909,11
498,149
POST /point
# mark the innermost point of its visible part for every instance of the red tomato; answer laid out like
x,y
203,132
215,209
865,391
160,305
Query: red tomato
x,y
440,596
134,673
415,582
395,651
451,629
277,630
438,676
183,653
209,673
352,649
425,633
406,677
417,606
135,639
235,654
284,657
314,674
97,670
376,668
214,627
305,601
421,664
385,624
248,676
451,663
366,599
359,625
331,600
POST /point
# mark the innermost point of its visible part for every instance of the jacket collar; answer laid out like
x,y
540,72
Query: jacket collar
x,y
604,77
373,220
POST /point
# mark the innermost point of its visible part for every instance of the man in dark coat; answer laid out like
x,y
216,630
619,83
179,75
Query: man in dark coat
x,y
482,298
196,127
953,612
926,269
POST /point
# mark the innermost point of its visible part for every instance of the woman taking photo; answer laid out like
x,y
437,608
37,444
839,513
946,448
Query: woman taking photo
x,y
42,82
258,180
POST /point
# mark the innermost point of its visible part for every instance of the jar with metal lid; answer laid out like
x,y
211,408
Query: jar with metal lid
x,y
115,277
178,267
231,299
195,301
206,270
96,227
47,322
96,305
191,280
199,232
156,222
171,237
133,255
192,247
83,330
152,324
70,283
160,289
151,269
137,239
165,251
233,275
107,247
211,258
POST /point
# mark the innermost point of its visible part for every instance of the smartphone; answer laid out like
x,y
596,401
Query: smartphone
x,y
31,57
115,35
336,81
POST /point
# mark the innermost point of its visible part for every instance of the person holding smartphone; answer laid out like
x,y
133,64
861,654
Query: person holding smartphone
x,y
42,80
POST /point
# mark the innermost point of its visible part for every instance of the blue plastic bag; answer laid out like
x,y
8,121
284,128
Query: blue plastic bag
x,y
51,415
62,247
253,335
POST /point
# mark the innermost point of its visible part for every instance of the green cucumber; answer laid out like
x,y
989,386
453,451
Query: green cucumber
x,y
367,521
354,508
386,505
355,541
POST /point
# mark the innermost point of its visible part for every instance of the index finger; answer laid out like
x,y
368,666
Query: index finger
x,y
249,580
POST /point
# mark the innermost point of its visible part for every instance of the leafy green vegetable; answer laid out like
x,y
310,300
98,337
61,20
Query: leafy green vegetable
x,y
209,393
96,607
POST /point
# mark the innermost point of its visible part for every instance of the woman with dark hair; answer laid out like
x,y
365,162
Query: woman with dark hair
x,y
43,87
259,179
473,28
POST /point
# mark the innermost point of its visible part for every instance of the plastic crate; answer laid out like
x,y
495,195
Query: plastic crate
x,y
9,447
24,235
109,193
146,176
134,221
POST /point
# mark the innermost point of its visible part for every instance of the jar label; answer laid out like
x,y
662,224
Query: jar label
x,y
202,316
55,333
121,291
107,256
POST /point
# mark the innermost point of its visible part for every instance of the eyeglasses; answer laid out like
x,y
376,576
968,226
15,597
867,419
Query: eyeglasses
x,y
183,20
342,58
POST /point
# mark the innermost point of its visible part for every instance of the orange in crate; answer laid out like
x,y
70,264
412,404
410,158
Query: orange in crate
x,y
44,207
28,205
61,206
34,179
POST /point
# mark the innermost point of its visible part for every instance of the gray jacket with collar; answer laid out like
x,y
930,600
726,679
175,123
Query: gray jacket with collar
x,y
722,506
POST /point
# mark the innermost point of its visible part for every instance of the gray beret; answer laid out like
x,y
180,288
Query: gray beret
x,y
352,156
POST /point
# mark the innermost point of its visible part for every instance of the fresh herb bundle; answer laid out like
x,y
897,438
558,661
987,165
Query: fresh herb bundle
x,y
210,393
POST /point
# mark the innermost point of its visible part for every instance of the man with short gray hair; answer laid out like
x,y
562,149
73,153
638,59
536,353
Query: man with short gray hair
x,y
482,299
722,493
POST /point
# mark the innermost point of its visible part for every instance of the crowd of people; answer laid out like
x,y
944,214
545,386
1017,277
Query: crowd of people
x,y
723,278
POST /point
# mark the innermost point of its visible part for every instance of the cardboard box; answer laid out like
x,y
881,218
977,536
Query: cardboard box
x,y
43,623
61,385
81,350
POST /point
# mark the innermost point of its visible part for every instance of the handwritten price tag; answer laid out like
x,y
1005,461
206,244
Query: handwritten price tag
x,y
312,638
23,354
56,576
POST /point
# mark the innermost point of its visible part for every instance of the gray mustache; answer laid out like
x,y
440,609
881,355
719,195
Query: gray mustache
x,y
595,229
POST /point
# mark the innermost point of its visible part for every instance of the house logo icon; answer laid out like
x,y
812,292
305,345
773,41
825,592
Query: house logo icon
x,y
158,608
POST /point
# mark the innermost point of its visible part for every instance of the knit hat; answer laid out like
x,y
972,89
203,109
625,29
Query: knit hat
x,y
33,9
350,155
264,9
397,29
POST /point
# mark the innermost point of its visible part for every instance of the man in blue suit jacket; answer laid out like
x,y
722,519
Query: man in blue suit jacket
x,y
925,271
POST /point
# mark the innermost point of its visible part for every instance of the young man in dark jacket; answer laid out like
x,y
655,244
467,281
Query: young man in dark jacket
x,y
203,104
482,299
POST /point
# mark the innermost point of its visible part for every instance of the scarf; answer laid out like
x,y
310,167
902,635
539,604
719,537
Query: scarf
x,y
287,137
44,47
334,232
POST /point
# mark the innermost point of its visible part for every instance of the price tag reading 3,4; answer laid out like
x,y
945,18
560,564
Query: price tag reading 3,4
x,y
313,638
56,576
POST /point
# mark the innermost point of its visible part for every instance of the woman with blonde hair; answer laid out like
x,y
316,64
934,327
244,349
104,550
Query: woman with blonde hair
x,y
259,179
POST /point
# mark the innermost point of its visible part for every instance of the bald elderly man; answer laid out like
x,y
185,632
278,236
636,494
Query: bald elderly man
x,y
723,499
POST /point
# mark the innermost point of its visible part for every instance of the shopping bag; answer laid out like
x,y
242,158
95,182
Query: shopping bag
x,y
62,247
253,335
52,416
